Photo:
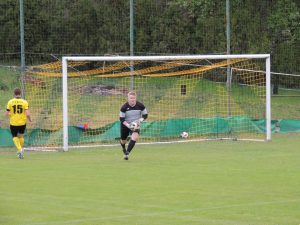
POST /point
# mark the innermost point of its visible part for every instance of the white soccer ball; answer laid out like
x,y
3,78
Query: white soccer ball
x,y
184,134
135,125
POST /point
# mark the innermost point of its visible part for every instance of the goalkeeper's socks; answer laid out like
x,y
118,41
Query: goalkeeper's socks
x,y
130,145
123,147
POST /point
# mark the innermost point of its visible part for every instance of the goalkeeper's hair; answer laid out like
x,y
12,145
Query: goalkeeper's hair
x,y
132,93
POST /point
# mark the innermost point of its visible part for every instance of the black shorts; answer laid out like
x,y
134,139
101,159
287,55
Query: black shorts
x,y
125,131
15,130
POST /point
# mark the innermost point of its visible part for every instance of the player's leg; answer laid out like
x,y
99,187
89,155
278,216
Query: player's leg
x,y
123,145
21,139
21,135
124,134
14,132
21,132
134,137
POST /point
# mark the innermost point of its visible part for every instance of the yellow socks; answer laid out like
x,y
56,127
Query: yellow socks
x,y
21,139
16,140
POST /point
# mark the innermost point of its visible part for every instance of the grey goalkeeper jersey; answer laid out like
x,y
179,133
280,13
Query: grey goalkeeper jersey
x,y
133,113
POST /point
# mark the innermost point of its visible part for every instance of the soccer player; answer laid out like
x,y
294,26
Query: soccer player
x,y
18,113
131,111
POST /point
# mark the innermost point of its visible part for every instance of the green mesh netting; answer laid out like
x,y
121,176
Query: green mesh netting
x,y
167,128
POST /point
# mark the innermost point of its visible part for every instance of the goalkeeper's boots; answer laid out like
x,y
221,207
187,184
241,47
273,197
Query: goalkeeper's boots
x,y
126,157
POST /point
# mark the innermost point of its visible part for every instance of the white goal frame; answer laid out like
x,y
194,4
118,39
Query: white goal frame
x,y
65,60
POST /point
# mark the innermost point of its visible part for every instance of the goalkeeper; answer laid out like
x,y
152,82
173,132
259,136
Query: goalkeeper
x,y
132,113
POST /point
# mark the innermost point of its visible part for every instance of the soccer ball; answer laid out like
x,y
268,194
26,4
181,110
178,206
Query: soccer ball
x,y
135,125
184,134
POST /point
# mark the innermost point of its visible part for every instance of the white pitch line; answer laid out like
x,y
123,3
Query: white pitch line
x,y
161,213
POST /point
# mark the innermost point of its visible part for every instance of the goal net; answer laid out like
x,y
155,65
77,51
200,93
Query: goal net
x,y
77,102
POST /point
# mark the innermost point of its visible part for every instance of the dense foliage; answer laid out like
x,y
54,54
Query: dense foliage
x,y
160,26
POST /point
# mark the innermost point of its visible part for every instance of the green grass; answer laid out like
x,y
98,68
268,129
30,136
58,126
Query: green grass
x,y
285,107
209,183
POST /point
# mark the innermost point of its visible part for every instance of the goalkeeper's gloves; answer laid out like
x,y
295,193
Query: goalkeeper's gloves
x,y
141,119
129,127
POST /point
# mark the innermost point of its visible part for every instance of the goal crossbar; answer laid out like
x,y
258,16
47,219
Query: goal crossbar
x,y
156,58
66,59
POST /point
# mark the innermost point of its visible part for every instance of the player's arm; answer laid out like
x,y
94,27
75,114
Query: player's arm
x,y
144,115
7,112
124,122
122,119
28,114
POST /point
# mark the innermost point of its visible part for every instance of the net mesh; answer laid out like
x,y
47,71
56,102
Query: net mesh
x,y
195,96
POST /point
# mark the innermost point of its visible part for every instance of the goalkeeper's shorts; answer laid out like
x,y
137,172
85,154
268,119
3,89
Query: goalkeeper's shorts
x,y
125,132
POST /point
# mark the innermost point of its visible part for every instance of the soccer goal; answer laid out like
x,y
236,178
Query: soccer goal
x,y
207,96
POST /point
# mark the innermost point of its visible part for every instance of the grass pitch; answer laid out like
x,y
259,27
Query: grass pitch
x,y
209,183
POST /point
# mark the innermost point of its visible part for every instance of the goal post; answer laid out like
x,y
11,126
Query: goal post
x,y
166,58
76,102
